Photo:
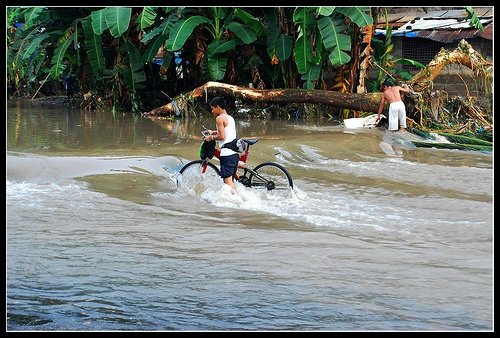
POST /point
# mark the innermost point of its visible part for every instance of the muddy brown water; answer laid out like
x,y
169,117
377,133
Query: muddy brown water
x,y
377,235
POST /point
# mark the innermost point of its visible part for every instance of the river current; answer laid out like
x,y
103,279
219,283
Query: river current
x,y
377,235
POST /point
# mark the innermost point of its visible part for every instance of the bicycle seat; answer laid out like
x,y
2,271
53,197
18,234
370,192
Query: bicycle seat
x,y
250,141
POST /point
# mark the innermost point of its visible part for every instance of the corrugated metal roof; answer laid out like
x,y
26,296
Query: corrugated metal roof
x,y
410,13
487,33
439,24
446,36
445,26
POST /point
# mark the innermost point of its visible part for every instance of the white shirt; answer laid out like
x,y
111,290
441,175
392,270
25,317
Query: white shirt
x,y
230,132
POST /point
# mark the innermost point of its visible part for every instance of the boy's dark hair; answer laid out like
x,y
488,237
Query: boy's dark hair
x,y
218,101
388,83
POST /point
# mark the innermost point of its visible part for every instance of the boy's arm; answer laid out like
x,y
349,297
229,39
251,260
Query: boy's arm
x,y
220,133
404,88
380,108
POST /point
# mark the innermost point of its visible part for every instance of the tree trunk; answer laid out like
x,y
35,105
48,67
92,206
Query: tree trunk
x,y
361,102
463,55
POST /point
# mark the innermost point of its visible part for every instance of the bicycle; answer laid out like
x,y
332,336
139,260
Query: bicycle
x,y
269,175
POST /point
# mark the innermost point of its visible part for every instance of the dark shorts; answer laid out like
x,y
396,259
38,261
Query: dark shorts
x,y
229,165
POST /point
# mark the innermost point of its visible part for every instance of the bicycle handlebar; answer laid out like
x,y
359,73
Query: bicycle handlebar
x,y
205,132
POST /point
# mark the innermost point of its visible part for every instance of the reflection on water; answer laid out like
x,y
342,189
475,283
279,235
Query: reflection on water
x,y
99,236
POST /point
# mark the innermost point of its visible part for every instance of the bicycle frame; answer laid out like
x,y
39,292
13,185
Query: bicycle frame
x,y
241,163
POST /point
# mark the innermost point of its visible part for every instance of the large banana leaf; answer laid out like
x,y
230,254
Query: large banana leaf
x,y
271,23
31,16
93,48
338,57
325,11
219,12
118,19
303,17
250,20
217,67
359,15
157,37
136,76
331,31
146,18
405,61
181,31
273,31
244,32
217,47
57,58
33,45
303,54
311,77
98,21
283,45
217,63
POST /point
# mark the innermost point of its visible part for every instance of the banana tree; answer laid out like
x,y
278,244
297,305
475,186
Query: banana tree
x,y
127,72
323,35
280,37
386,62
229,28
39,47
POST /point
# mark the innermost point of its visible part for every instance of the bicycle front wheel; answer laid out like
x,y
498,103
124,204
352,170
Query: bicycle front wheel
x,y
196,176
271,176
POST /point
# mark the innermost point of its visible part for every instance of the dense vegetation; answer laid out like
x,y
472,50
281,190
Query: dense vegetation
x,y
125,57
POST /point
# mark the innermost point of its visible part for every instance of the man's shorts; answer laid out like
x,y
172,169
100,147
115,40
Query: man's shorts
x,y
229,165
397,115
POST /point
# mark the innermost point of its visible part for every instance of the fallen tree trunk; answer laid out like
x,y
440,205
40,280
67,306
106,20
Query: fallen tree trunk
x,y
363,102
464,55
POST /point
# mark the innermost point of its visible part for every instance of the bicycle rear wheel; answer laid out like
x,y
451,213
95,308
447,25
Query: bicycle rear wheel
x,y
271,176
196,177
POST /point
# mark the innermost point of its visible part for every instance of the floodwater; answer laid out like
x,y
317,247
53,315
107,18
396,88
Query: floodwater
x,y
376,235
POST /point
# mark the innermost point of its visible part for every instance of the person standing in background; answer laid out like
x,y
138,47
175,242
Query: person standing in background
x,y
397,109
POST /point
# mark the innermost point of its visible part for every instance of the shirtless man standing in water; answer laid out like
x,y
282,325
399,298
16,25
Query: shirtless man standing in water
x,y
397,110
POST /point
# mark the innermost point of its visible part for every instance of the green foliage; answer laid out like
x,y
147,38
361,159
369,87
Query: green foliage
x,y
117,19
155,39
98,20
58,56
93,46
236,44
182,30
283,46
146,18
311,77
248,19
217,67
474,20
243,32
333,39
458,146
455,138
358,15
